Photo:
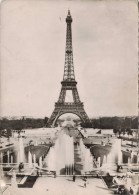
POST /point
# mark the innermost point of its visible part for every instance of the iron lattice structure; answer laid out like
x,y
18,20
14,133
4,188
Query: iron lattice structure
x,y
68,83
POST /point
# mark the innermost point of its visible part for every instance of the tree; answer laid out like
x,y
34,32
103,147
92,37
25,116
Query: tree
x,y
134,123
115,131
123,131
9,132
86,125
46,121
119,132
129,132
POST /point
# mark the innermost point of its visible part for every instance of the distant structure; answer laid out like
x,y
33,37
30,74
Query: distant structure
x,y
68,122
68,83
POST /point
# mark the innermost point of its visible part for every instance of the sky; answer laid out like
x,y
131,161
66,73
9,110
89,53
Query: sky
x,y
105,53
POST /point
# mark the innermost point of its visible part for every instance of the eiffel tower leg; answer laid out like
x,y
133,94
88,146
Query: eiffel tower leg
x,y
61,109
75,95
62,95
53,117
84,117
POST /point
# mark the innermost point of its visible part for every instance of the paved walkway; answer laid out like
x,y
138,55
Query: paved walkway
x,y
63,186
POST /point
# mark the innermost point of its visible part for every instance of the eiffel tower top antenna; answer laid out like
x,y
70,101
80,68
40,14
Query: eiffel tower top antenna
x,y
69,66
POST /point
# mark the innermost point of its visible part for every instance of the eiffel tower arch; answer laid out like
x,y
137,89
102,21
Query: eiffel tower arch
x,y
68,108
68,83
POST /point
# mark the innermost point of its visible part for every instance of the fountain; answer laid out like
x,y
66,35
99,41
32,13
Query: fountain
x,y
30,159
21,155
11,159
51,160
86,157
132,157
2,186
98,160
1,171
115,156
129,161
40,162
36,143
88,163
13,188
129,182
120,157
69,160
18,157
116,150
62,155
34,158
82,149
13,180
104,160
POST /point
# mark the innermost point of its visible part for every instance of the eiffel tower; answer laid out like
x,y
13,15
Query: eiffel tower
x,y
68,83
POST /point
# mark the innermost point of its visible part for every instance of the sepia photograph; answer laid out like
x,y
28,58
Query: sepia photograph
x,y
69,97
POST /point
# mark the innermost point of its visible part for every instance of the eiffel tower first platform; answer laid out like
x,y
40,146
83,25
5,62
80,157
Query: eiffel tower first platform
x,y
68,83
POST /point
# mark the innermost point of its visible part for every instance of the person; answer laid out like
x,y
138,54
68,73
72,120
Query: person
x,y
119,190
124,191
54,174
40,173
131,191
85,177
74,177
85,182
21,167
118,167
37,173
